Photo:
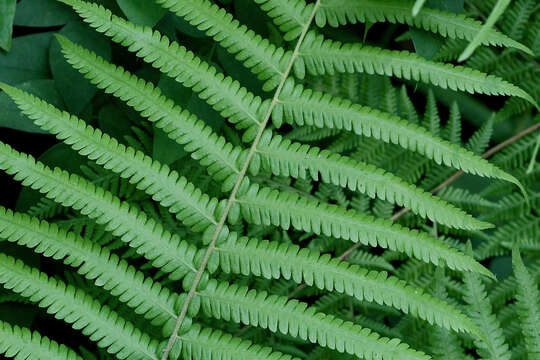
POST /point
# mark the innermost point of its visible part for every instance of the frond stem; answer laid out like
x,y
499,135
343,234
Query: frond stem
x,y
232,197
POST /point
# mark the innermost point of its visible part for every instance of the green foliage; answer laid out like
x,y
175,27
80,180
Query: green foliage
x,y
252,180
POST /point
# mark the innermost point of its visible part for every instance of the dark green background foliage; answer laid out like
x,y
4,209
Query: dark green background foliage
x,y
341,189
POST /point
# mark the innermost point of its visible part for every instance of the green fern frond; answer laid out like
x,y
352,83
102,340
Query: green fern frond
x,y
528,305
446,24
311,133
322,56
278,314
514,22
506,289
166,251
219,156
370,261
445,345
165,186
265,59
207,344
23,344
432,120
520,229
466,200
492,343
479,142
306,107
267,206
292,159
95,263
290,16
274,260
225,94
281,157
495,14
65,302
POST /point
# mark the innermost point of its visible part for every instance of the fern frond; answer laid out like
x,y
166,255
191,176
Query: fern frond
x,y
444,23
290,16
95,263
193,207
306,107
311,133
285,158
278,314
225,94
219,156
516,17
222,159
265,59
370,261
444,344
479,142
65,302
492,343
165,251
322,56
23,344
495,14
275,260
432,120
520,229
267,206
505,289
453,128
207,344
466,200
528,305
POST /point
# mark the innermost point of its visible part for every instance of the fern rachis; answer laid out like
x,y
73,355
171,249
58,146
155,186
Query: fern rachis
x,y
172,261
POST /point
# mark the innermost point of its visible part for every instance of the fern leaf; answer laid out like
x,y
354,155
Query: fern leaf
x,y
491,344
445,345
516,18
98,264
222,158
266,206
273,260
193,207
65,302
432,120
466,200
528,305
479,142
522,228
165,251
291,16
444,23
265,59
368,260
208,344
322,56
505,289
306,107
225,94
495,14
285,158
278,314
453,128
23,344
